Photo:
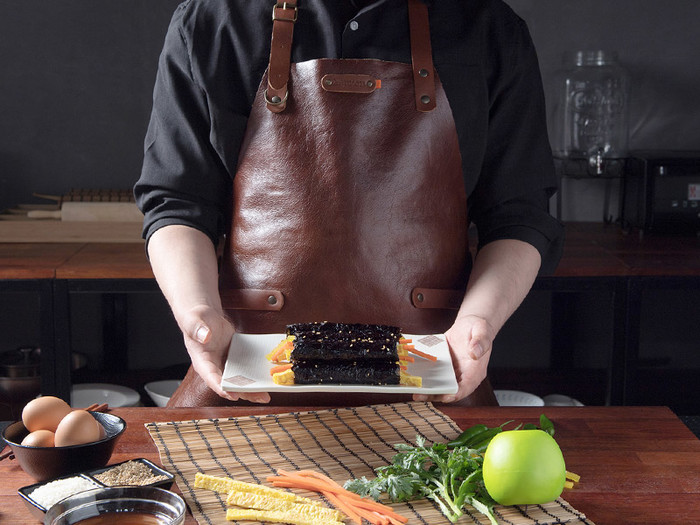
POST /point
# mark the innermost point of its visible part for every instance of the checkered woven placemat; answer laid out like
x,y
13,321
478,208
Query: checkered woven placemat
x,y
342,443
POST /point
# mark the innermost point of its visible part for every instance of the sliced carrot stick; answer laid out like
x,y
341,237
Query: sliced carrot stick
x,y
321,476
405,341
317,485
369,516
280,368
375,506
348,510
421,354
383,520
308,484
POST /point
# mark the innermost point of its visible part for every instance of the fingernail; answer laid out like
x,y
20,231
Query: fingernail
x,y
201,334
477,351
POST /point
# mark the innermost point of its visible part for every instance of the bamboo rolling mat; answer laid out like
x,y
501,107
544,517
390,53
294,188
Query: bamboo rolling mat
x,y
342,443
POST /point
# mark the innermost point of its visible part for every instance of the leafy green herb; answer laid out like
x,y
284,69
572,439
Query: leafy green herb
x,y
450,475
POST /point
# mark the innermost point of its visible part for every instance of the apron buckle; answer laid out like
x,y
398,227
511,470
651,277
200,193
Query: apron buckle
x,y
283,16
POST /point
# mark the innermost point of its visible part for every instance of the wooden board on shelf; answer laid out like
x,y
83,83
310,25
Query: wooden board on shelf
x,y
52,231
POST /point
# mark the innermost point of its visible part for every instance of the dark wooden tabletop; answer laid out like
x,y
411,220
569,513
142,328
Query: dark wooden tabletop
x,y
638,465
34,260
591,250
107,261
595,249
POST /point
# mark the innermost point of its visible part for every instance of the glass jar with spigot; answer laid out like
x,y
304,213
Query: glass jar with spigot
x,y
593,110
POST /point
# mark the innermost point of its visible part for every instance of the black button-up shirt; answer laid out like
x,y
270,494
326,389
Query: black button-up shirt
x,y
216,52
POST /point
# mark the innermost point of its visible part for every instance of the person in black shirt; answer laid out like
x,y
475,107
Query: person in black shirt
x,y
214,160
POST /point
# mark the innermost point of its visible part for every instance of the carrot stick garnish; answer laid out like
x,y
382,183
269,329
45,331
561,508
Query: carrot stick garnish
x,y
375,506
343,507
280,368
413,350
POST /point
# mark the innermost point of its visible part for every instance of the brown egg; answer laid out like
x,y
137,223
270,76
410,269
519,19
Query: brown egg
x,y
44,413
77,428
103,431
39,438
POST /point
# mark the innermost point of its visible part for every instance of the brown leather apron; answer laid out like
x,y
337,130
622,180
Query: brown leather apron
x,y
348,202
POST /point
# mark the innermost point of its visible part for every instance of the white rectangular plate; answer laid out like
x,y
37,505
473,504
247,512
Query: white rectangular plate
x,y
248,370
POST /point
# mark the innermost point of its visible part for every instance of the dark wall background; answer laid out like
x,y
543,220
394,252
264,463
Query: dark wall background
x,y
75,92
77,77
658,43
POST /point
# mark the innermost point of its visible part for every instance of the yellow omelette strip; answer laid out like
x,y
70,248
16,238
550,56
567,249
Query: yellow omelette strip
x,y
228,485
249,500
273,516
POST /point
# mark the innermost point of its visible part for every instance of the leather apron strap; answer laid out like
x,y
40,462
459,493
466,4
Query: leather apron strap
x,y
421,55
284,16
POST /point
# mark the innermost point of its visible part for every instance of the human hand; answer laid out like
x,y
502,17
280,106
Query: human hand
x,y
470,340
207,335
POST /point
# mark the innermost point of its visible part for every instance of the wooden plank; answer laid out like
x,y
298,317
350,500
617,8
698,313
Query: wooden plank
x,y
34,261
107,261
52,231
92,212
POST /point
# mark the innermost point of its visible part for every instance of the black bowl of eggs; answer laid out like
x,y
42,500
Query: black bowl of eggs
x,y
53,439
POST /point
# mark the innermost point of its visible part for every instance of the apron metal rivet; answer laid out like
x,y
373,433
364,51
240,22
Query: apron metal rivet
x,y
370,83
328,82
419,297
275,99
423,72
272,300
425,99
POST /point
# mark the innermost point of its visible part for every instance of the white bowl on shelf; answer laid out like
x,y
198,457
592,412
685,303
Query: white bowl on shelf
x,y
160,391
560,400
85,394
516,398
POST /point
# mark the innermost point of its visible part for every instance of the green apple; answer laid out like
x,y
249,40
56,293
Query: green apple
x,y
524,467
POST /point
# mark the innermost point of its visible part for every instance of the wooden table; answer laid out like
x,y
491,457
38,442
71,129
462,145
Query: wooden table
x,y
638,465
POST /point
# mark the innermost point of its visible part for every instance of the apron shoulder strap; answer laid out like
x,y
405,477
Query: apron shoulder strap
x,y
421,55
284,15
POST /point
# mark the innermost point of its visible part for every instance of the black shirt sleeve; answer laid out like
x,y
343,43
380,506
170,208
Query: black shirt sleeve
x,y
183,179
511,196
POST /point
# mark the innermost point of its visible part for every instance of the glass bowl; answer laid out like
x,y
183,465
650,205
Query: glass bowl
x,y
115,505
